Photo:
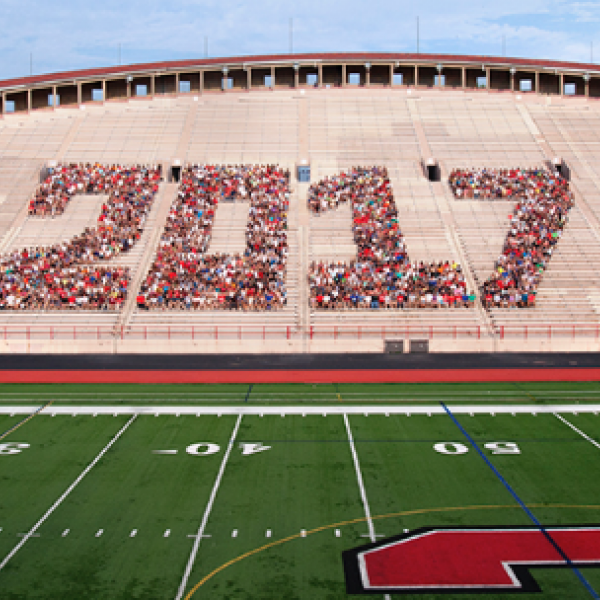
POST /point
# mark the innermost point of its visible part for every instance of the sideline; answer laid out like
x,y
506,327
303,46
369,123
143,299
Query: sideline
x,y
324,409
406,513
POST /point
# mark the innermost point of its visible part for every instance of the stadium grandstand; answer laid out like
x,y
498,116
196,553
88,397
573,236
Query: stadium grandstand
x,y
302,203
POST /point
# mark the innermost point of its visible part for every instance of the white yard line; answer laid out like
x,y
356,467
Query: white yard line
x,y
361,485
32,531
302,409
581,433
211,500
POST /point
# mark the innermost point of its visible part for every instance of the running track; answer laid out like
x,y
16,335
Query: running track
x,y
295,368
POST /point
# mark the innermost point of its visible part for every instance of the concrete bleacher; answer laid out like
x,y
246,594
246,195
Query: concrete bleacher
x,y
332,129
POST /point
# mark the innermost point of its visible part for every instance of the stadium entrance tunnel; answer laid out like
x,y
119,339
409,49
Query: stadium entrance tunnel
x,y
175,173
562,168
432,170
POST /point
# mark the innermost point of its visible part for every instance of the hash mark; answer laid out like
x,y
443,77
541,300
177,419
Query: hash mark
x,y
167,533
99,532
303,533
133,533
65,533
338,533
234,533
268,533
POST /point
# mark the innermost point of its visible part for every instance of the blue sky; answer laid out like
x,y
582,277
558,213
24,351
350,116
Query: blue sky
x,y
74,35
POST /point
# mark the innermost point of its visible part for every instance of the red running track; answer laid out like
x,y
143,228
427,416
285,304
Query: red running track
x,y
302,376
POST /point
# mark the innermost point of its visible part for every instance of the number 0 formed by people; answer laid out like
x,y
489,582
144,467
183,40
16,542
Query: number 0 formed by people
x,y
185,275
381,275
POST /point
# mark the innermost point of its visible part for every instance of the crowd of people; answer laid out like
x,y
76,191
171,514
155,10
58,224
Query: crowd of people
x,y
184,273
542,203
382,275
69,275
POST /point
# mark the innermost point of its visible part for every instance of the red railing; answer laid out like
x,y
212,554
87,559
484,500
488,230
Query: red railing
x,y
589,331
539,332
389,332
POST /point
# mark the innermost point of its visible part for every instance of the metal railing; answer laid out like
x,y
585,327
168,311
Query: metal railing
x,y
580,331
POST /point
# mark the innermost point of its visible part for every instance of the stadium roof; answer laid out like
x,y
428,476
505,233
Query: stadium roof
x,y
384,57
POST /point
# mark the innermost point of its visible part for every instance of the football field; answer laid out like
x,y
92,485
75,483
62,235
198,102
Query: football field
x,y
278,493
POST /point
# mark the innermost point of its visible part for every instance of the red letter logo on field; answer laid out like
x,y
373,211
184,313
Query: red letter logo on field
x,y
454,560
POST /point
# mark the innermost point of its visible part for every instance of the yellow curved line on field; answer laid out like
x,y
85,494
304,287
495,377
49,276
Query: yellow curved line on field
x,y
21,423
405,513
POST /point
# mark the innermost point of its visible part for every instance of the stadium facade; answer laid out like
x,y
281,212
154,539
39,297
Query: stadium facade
x,y
419,116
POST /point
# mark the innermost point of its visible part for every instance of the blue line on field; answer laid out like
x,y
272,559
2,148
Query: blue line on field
x,y
522,504
249,392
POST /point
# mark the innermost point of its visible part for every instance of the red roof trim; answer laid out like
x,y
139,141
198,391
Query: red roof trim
x,y
327,57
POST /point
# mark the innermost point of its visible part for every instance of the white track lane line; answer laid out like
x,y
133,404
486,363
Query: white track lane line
x,y
32,531
581,433
361,485
213,494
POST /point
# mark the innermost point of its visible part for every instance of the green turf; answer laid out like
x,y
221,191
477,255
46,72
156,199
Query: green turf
x,y
305,480
293,393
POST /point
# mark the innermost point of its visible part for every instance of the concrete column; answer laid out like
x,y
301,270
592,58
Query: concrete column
x,y
3,103
79,94
104,90
176,83
587,87
562,84
249,78
53,96
416,75
512,81
320,76
297,78
537,82
128,88
224,74
344,80
487,78
463,76
152,86
201,82
440,73
391,75
29,100
272,78
368,77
